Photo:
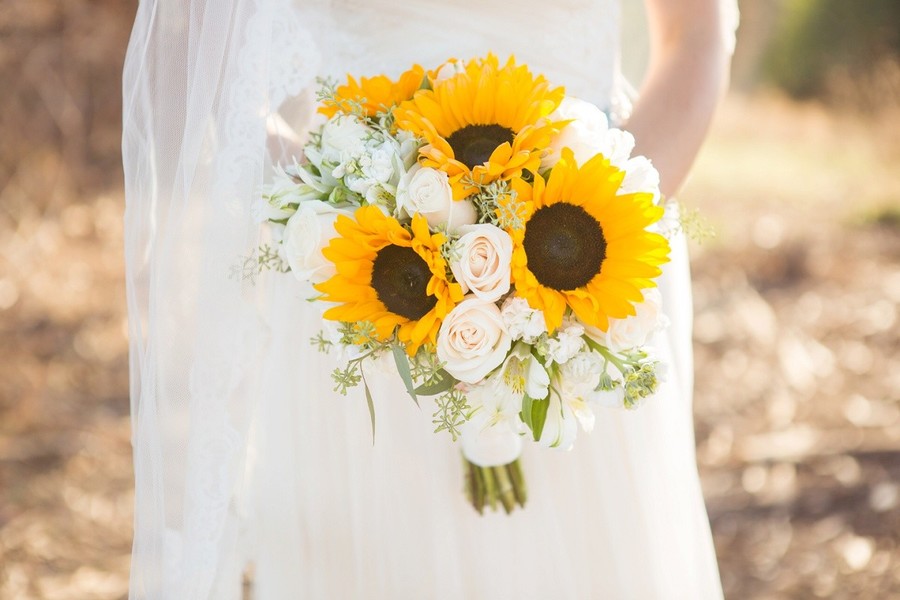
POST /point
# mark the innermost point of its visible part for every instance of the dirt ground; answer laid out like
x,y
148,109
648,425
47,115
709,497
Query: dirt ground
x,y
797,330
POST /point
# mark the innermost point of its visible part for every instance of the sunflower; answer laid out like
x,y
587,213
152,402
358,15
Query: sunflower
x,y
584,247
389,276
374,94
484,123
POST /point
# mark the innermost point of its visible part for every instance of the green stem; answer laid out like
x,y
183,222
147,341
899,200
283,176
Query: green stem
x,y
490,486
518,481
622,366
505,490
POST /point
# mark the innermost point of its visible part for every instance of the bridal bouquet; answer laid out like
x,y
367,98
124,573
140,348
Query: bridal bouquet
x,y
494,239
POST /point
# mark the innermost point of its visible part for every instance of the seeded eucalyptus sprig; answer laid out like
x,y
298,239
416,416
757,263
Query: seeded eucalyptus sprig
x,y
264,258
452,412
327,95
497,204
694,225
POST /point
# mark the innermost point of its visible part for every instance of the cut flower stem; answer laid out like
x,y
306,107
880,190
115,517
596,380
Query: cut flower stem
x,y
502,485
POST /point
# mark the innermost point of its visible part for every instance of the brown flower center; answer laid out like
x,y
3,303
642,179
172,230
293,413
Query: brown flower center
x,y
400,278
473,144
564,245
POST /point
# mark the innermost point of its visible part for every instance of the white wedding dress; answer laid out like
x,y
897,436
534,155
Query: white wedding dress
x,y
243,453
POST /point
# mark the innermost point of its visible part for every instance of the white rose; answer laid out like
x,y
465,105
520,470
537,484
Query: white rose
x,y
484,257
427,191
616,145
566,343
640,176
307,232
342,136
634,331
523,322
583,135
472,340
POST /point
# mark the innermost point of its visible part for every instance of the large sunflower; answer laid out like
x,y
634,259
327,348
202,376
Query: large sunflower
x,y
584,247
389,277
374,94
486,122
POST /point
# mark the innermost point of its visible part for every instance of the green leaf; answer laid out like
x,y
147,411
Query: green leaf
x,y
403,368
527,403
371,404
539,410
447,381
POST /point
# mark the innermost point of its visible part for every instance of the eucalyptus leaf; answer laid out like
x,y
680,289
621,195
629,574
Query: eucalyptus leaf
x,y
446,382
403,368
539,410
371,404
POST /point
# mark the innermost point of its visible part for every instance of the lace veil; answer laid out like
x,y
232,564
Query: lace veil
x,y
203,80
201,77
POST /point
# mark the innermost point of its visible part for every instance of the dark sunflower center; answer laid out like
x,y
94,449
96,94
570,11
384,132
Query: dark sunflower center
x,y
564,245
400,278
473,144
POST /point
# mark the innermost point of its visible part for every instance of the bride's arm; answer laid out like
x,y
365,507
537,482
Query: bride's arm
x,y
688,74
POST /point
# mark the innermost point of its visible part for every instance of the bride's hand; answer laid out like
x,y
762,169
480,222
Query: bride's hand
x,y
688,74
288,127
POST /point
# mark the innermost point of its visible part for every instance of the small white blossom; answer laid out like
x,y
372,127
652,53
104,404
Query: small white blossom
x,y
280,198
566,342
523,322
493,436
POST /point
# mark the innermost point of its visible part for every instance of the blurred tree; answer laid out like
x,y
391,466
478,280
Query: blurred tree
x,y
818,38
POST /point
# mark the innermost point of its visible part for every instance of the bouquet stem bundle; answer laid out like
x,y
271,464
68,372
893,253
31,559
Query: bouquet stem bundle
x,y
492,486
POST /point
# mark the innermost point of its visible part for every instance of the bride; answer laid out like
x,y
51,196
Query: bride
x,y
244,457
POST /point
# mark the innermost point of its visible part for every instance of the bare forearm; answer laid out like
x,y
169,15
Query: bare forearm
x,y
687,77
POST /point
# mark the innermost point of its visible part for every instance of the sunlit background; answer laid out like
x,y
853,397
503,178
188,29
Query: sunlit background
x,y
797,326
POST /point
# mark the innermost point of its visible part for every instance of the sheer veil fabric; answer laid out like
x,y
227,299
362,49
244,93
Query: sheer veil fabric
x,y
242,452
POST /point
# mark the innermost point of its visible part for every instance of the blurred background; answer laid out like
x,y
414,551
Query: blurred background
x,y
797,296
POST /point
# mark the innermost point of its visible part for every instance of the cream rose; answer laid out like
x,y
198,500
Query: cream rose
x,y
472,340
306,233
484,253
427,191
